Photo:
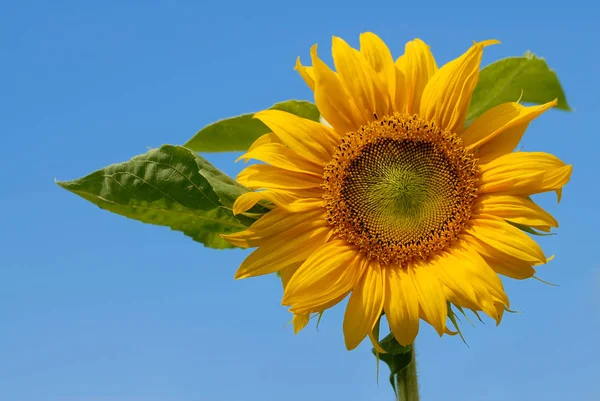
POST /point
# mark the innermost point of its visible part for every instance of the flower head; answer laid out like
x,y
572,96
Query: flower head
x,y
396,203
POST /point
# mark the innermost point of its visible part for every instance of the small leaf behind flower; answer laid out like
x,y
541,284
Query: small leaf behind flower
x,y
238,133
526,79
170,186
397,356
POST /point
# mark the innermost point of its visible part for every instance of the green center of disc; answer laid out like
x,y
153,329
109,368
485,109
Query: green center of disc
x,y
400,190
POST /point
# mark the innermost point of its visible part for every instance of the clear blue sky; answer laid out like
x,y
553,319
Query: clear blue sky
x,y
97,307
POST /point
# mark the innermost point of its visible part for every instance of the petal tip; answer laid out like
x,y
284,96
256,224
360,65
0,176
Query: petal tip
x,y
259,114
489,42
242,157
350,345
240,274
285,299
376,344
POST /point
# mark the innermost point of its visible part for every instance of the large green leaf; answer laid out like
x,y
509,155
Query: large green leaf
x,y
527,78
238,133
170,186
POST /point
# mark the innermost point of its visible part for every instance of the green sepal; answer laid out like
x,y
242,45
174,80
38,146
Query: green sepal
x,y
528,229
455,320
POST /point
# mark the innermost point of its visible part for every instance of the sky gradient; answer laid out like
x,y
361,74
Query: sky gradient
x,y
97,307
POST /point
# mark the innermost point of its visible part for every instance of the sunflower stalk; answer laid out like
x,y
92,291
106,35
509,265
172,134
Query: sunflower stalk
x,y
407,385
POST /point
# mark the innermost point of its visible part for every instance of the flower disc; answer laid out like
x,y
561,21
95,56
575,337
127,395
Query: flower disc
x,y
400,188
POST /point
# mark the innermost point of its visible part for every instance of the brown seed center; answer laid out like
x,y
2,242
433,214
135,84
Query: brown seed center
x,y
400,188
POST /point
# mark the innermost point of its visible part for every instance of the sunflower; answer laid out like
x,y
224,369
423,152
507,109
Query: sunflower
x,y
397,201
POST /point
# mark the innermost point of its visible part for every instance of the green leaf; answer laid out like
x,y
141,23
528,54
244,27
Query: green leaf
x,y
397,356
527,78
238,133
170,186
228,190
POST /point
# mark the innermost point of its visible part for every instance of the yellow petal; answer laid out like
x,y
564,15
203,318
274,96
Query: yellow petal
x,y
309,139
500,308
400,100
331,303
447,95
260,176
293,247
377,54
375,343
329,273
360,80
524,173
501,262
506,238
418,66
307,74
480,272
247,200
263,140
279,155
499,130
364,307
299,200
432,300
401,305
332,100
473,283
288,272
275,223
517,209
300,322
455,280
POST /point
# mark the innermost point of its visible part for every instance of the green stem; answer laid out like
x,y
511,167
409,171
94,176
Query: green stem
x,y
407,386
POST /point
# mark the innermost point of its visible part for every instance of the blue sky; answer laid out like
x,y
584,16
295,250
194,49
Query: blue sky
x,y
97,307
